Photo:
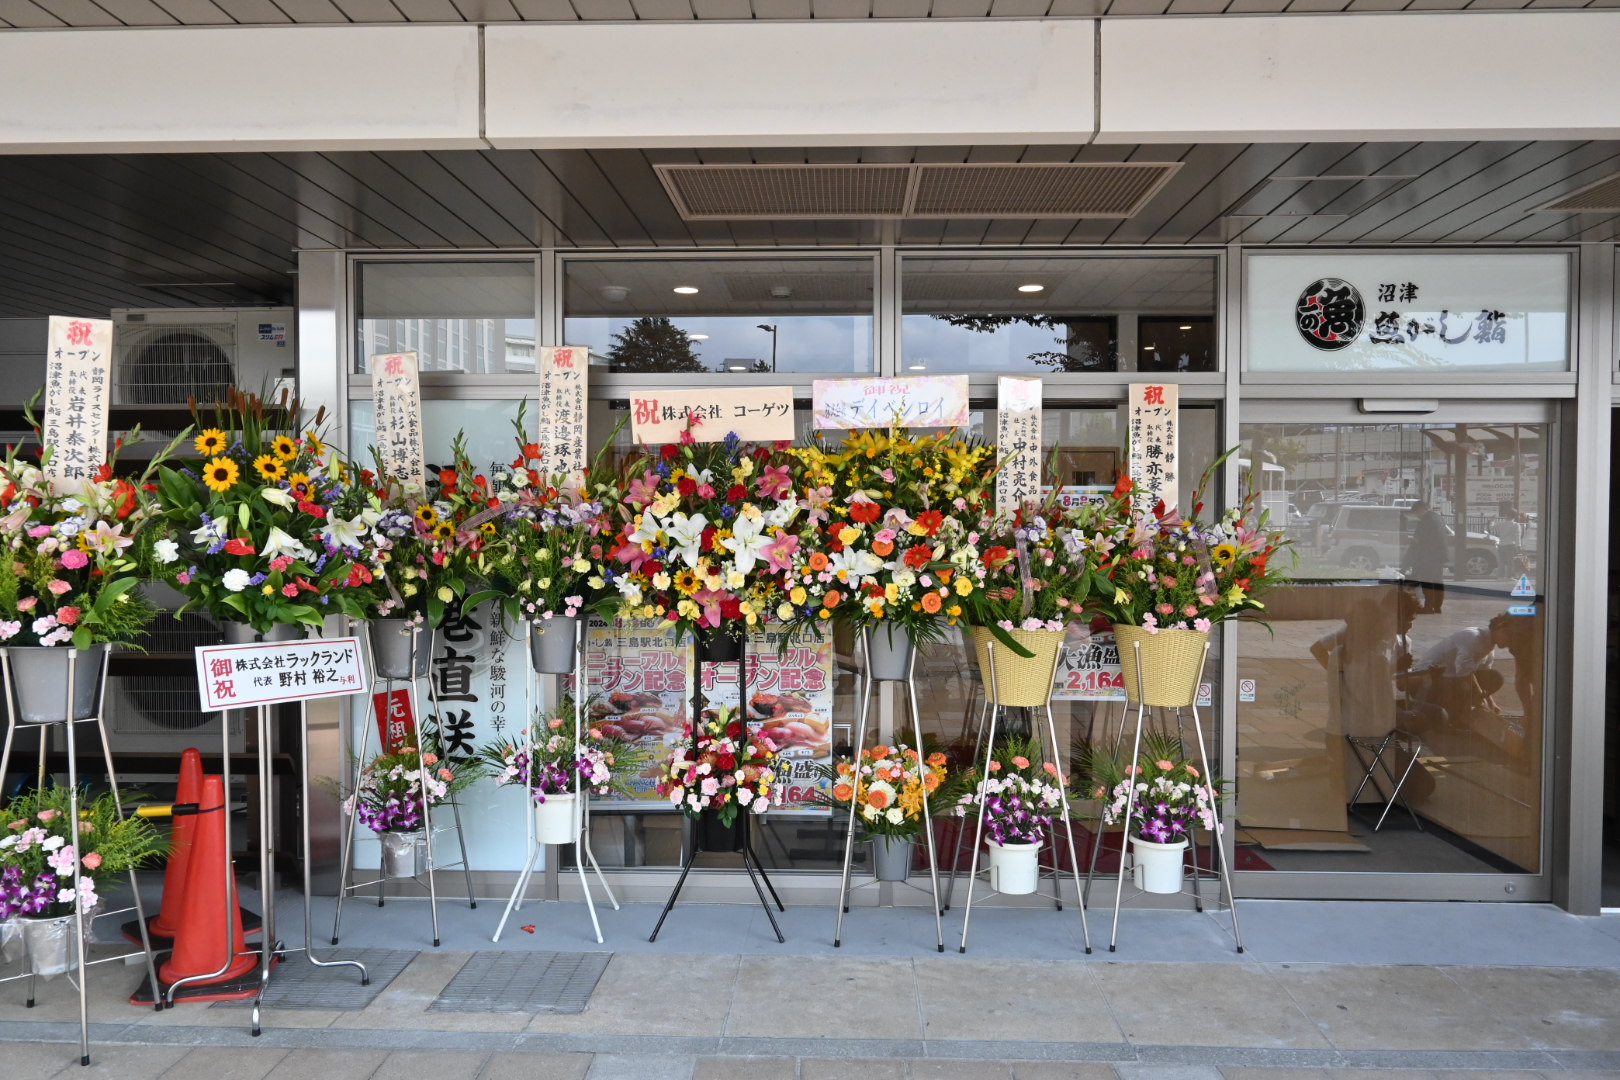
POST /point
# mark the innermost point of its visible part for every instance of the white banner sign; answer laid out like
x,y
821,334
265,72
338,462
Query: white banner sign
x,y
237,676
755,414
1154,442
921,401
1407,312
562,409
396,394
1018,441
78,367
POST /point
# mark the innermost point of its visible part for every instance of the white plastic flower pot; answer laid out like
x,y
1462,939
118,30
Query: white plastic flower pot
x,y
1015,869
1157,868
558,819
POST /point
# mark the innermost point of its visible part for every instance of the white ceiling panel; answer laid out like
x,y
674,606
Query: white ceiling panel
x,y
79,12
198,12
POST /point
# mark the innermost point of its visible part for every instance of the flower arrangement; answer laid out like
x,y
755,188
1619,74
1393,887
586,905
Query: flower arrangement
x,y
547,558
555,751
887,784
1037,569
76,552
1173,573
884,542
707,535
389,796
721,768
1017,796
258,535
1164,795
37,854
425,551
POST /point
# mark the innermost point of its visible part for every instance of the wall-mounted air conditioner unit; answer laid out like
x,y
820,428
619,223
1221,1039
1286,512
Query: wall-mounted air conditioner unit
x,y
164,356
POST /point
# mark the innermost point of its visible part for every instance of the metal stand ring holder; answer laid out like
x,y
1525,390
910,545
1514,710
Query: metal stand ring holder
x,y
68,725
751,861
844,888
1219,854
992,711
582,800
344,886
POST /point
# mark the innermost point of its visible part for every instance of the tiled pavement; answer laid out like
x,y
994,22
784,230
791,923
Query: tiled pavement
x,y
1325,991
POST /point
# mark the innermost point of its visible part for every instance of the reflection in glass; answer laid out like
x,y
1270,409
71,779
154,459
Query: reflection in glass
x,y
1396,723
1058,314
475,318
741,316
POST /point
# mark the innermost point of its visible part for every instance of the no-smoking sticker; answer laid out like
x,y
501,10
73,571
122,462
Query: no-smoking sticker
x,y
1246,688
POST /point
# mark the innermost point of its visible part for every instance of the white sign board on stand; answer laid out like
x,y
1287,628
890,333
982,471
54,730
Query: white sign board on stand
x,y
266,673
1152,416
1018,441
396,393
918,401
562,410
754,414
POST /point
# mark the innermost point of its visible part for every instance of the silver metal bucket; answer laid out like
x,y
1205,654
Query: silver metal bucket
x,y
404,854
39,682
391,649
45,945
888,657
551,644
891,857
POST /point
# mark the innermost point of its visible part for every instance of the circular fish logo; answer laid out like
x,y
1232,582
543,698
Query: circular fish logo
x,y
1330,314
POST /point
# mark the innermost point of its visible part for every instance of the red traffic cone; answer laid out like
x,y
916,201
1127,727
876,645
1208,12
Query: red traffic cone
x,y
210,931
188,790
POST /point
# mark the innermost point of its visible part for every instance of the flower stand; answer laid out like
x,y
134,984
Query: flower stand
x,y
549,658
723,648
400,653
1162,671
68,935
889,661
1033,691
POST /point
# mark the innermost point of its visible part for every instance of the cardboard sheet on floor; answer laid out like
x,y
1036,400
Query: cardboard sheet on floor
x,y
1301,840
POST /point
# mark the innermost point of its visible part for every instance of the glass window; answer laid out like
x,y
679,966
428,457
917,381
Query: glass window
x,y
475,318
1407,312
1058,314
1411,639
741,316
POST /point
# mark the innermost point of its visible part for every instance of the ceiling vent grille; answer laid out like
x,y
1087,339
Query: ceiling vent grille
x,y
774,192
1602,197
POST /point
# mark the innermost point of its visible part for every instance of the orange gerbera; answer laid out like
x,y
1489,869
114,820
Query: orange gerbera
x,y
818,560
879,753
878,799
832,598
931,602
843,792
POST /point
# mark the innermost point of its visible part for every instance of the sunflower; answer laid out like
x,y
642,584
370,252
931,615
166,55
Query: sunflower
x,y
428,516
270,467
444,531
284,447
1223,554
686,583
298,485
221,473
313,444
488,528
210,442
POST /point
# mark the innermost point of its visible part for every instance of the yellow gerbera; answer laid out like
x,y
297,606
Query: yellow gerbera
x,y
270,467
221,474
210,442
428,516
284,447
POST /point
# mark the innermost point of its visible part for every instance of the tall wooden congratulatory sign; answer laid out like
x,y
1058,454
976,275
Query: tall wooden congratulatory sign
x,y
562,409
1154,442
396,395
78,378
1018,441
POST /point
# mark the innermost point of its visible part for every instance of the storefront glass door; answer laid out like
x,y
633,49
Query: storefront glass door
x,y
1410,644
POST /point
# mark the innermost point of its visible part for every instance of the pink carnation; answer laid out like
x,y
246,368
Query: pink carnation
x,y
67,616
92,860
74,559
58,587
289,590
27,603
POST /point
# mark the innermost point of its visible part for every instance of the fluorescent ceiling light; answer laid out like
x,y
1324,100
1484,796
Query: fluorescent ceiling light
x,y
686,290
1032,287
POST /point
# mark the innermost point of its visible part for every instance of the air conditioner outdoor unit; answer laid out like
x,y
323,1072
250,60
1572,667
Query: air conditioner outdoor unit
x,y
164,356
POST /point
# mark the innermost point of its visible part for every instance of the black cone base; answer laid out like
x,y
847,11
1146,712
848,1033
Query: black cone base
x,y
242,988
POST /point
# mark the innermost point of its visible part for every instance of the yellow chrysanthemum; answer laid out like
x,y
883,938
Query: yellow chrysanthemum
x,y
271,468
221,474
284,447
210,442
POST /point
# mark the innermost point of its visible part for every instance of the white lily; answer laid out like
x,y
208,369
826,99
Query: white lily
x,y
857,564
277,497
212,531
746,539
344,532
646,530
279,543
686,536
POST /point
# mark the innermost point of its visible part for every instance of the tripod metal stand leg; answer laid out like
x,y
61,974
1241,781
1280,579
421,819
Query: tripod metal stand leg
x,y
1130,803
309,923
73,815
961,833
686,868
1068,832
927,816
427,813
1216,839
849,837
993,710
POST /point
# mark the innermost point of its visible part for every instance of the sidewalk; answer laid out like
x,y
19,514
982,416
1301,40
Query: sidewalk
x,y
1324,990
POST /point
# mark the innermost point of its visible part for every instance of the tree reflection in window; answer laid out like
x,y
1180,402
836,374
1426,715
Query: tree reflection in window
x,y
1088,343
653,343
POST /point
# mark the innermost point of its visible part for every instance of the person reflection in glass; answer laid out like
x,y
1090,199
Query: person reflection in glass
x,y
1426,557
1458,675
1364,658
